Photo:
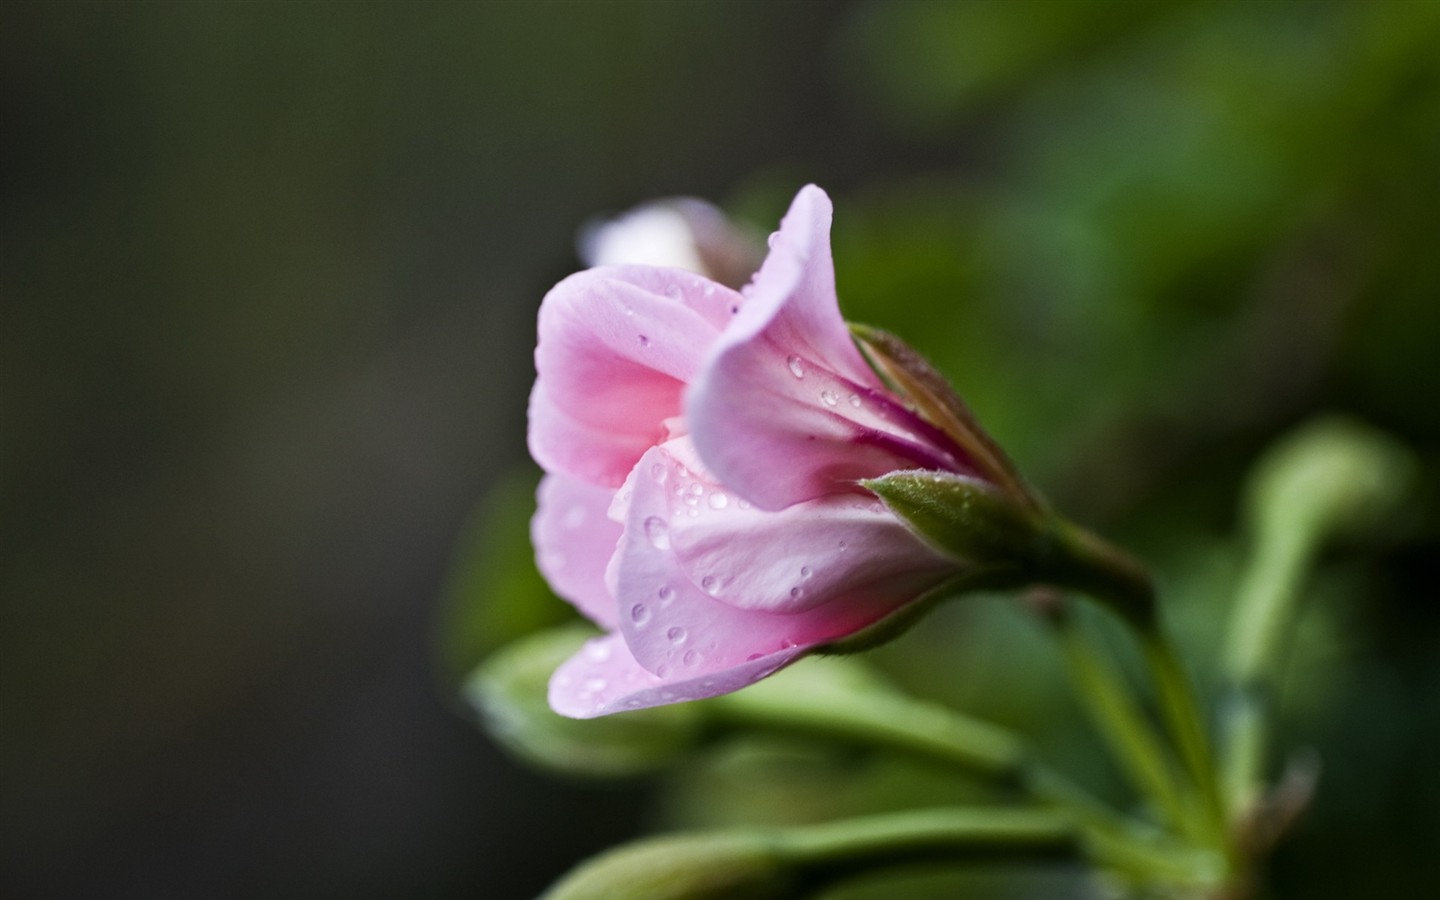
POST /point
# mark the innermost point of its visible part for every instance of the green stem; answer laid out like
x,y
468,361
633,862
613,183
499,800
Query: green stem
x,y
891,721
1182,714
835,850
1120,722
1264,607
1079,560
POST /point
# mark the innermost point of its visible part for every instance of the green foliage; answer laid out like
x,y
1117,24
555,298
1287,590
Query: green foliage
x,y
494,594
509,691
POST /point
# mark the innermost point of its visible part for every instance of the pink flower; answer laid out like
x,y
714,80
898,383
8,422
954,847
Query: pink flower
x,y
703,451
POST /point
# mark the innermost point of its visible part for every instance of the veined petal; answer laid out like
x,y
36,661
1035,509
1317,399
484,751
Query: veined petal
x,y
616,347
793,560
672,624
574,541
604,678
786,409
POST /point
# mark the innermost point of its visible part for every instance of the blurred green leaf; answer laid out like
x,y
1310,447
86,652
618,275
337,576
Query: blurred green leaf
x,y
494,594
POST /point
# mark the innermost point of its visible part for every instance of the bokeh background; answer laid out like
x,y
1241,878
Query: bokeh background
x,y
269,273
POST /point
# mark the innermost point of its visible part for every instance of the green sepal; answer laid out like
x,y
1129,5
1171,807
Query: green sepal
x,y
926,391
965,518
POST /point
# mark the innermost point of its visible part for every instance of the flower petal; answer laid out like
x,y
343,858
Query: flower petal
x,y
616,347
786,409
673,624
604,678
574,540
791,560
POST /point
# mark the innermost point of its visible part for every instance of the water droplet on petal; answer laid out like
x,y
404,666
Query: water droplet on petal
x,y
598,652
718,500
754,656
710,585
658,532
661,671
806,571
696,489
644,341
595,685
666,593
673,292
855,400
690,658
574,517
788,644
676,635
796,593
829,398
639,614
796,366
709,289
658,473
774,236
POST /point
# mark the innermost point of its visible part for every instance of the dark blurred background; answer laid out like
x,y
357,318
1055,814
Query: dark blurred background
x,y
269,273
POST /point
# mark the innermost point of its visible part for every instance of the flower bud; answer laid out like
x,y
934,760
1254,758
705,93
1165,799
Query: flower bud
x,y
509,691
1331,476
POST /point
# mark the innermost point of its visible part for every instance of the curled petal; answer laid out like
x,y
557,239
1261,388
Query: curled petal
x,y
785,382
672,623
604,678
574,541
789,561
616,348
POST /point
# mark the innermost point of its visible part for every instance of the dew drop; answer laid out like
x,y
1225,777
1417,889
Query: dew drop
x,y
595,685
639,614
788,644
806,571
666,593
734,308
690,658
774,236
709,289
718,500
658,532
754,656
574,517
676,635
644,341
855,400
661,671
797,366
598,652
829,398
796,593
658,473
696,490
710,585
673,292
